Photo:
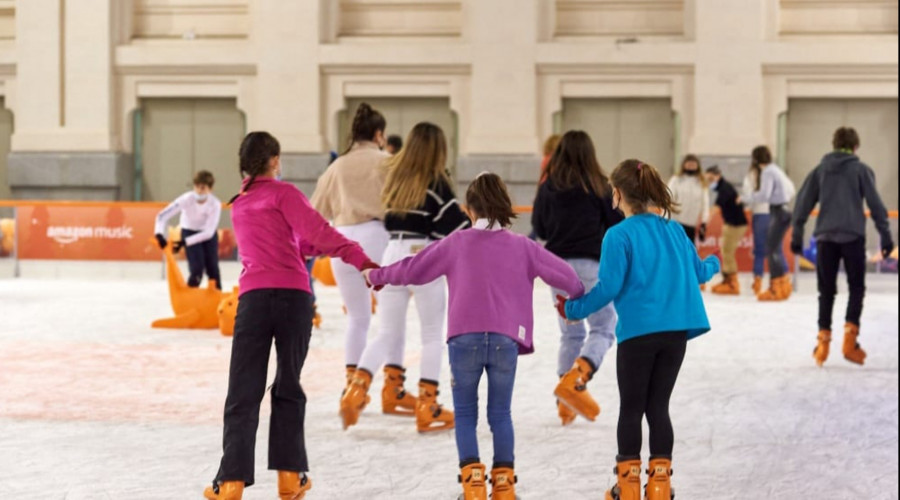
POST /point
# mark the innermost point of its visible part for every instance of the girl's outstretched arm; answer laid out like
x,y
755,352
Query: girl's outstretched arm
x,y
614,259
554,271
420,269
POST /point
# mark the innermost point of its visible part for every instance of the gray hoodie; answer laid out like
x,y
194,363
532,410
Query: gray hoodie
x,y
839,184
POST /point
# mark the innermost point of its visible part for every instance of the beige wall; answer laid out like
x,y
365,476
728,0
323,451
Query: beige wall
x,y
73,72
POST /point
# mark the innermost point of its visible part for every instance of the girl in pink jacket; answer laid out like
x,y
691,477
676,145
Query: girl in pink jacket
x,y
276,228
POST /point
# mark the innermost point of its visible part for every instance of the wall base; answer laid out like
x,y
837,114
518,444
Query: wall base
x,y
71,176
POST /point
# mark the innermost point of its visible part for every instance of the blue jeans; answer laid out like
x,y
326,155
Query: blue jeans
x,y
760,230
599,328
470,355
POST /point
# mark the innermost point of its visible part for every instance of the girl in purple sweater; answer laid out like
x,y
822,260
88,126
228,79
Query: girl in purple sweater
x,y
490,274
276,228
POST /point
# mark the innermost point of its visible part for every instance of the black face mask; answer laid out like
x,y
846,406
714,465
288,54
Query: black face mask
x,y
692,172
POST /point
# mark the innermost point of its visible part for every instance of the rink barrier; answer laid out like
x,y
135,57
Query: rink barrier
x,y
121,230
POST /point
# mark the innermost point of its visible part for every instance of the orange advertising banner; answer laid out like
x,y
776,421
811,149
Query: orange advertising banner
x,y
98,232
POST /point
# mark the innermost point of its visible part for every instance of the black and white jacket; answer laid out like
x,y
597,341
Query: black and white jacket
x,y
435,219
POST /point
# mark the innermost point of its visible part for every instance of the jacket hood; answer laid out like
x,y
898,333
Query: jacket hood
x,y
836,160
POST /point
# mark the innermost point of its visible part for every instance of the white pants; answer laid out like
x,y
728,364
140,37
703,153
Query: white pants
x,y
373,239
393,301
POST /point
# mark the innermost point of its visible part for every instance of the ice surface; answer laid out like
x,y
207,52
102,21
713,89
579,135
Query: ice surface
x,y
94,404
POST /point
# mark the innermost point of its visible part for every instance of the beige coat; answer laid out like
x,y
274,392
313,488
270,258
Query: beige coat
x,y
349,192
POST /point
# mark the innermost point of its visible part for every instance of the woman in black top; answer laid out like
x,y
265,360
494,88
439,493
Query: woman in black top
x,y
572,212
420,208
733,230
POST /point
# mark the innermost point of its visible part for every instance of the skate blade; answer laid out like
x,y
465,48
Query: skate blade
x,y
562,395
399,412
439,428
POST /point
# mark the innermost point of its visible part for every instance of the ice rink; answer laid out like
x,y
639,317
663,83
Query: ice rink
x,y
94,404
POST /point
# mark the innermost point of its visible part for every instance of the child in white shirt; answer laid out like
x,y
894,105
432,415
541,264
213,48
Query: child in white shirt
x,y
200,211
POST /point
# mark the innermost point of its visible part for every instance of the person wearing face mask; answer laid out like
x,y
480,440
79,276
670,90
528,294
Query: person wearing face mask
x,y
729,202
200,211
690,192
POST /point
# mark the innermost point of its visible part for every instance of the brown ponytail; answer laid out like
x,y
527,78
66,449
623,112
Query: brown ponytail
x,y
366,123
642,188
256,150
761,155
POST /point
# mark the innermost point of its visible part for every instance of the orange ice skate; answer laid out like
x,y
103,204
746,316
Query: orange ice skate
x,y
852,351
394,398
292,485
430,416
572,390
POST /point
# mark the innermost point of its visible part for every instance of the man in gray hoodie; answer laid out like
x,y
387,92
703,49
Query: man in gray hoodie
x,y
839,185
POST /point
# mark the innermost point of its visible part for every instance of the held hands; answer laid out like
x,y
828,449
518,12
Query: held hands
x,y
161,241
561,306
366,270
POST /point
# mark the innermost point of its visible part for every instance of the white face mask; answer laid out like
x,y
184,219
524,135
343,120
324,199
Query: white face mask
x,y
200,197
714,185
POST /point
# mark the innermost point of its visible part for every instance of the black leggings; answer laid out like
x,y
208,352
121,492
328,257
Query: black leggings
x,y
203,256
828,261
647,367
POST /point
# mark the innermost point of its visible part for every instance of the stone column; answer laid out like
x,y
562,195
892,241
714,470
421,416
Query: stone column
x,y
64,145
286,35
503,124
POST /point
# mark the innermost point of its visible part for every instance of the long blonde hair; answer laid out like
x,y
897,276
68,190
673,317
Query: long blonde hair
x,y
421,163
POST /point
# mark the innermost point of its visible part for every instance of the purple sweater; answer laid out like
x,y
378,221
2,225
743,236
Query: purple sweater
x,y
276,228
490,275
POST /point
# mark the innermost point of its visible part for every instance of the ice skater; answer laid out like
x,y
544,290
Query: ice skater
x,y
691,193
572,212
349,195
735,226
421,208
760,224
276,228
490,272
652,273
839,185
200,211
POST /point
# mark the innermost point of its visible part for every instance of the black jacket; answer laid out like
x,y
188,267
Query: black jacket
x,y
726,199
572,222
437,217
839,185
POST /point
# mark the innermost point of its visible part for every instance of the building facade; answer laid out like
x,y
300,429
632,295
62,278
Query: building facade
x,y
124,99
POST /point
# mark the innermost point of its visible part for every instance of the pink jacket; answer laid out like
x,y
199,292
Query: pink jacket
x,y
276,227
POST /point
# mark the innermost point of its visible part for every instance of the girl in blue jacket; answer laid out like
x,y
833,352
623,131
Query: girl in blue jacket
x,y
651,272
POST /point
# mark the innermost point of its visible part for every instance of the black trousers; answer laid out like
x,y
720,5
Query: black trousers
x,y
779,222
202,257
647,368
691,232
264,315
828,261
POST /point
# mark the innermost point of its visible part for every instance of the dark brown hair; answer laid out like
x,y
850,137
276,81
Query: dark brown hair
x,y
696,159
366,124
574,164
845,138
642,188
204,178
256,150
760,156
715,170
487,198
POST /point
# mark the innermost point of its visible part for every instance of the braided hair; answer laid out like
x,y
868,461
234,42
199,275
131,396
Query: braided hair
x,y
256,150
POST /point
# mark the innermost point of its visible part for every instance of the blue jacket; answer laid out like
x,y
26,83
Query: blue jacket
x,y
652,273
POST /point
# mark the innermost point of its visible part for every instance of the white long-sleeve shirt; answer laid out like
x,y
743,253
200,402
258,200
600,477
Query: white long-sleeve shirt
x,y
749,187
195,216
692,198
776,188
